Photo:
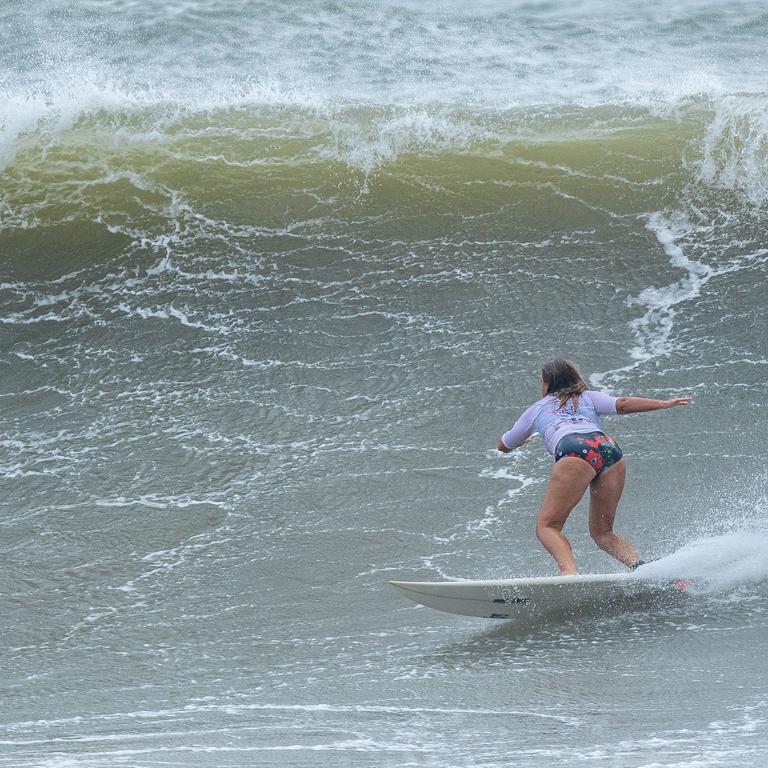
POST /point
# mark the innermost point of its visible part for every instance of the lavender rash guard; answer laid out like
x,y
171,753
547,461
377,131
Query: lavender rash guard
x,y
553,423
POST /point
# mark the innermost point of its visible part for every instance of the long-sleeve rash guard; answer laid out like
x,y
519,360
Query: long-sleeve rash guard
x,y
553,422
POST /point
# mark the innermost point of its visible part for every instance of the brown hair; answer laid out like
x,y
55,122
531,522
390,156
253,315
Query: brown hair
x,y
562,379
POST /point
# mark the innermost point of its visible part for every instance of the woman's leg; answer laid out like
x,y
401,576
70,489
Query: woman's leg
x,y
605,492
569,479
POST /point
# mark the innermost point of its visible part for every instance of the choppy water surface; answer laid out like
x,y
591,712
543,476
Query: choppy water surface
x,y
272,281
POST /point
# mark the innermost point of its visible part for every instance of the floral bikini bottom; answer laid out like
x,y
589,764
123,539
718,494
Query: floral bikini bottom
x,y
599,450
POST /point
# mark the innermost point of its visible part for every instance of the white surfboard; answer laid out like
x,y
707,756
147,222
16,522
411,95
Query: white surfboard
x,y
541,595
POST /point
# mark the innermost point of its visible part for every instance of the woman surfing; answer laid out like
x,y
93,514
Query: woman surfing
x,y
568,419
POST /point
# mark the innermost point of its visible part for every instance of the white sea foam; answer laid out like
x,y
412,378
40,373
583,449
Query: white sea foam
x,y
172,313
653,330
735,147
414,131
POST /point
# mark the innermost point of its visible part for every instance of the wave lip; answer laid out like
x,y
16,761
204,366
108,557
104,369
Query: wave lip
x,y
729,131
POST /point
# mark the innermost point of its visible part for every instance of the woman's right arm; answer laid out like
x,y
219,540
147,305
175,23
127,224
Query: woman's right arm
x,y
643,404
519,432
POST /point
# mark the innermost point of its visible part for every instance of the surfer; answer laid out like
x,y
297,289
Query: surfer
x,y
568,419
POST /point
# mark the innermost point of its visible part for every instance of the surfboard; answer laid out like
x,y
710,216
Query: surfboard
x,y
540,595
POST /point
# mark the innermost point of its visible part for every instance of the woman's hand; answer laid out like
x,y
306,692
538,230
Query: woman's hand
x,y
679,401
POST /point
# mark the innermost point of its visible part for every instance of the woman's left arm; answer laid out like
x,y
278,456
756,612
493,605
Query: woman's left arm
x,y
645,404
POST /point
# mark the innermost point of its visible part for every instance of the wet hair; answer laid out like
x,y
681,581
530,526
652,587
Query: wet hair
x,y
562,379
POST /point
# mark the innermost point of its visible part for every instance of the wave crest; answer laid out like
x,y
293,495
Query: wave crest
x,y
97,157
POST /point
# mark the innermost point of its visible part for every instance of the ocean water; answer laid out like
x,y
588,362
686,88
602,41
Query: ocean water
x,y
273,279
